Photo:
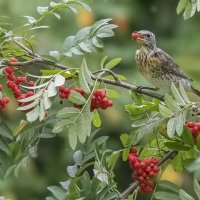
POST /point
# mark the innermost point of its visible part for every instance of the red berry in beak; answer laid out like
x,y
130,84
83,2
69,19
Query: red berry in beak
x,y
135,35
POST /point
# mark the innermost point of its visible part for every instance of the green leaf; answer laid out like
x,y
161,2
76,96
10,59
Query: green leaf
x,y
197,188
81,128
171,103
113,63
184,195
183,93
57,192
176,95
55,54
33,114
188,10
68,113
71,170
84,76
42,10
187,137
194,7
165,112
124,139
4,146
112,94
198,5
113,159
171,127
177,163
125,154
76,97
78,157
73,133
96,120
103,62
166,196
180,122
181,6
88,118
167,185
176,146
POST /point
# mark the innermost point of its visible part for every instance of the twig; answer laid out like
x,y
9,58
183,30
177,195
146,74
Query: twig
x,y
136,183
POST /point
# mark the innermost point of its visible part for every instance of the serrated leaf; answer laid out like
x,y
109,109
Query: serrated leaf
x,y
78,157
73,134
176,95
112,94
68,113
57,192
171,103
65,184
41,10
55,54
183,93
177,147
171,127
188,10
113,63
42,110
181,6
60,125
47,101
51,89
31,98
165,112
88,118
96,120
180,122
76,97
198,5
30,105
59,80
71,170
97,43
184,195
33,114
81,128
167,185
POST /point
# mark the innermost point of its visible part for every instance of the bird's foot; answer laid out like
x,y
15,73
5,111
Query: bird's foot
x,y
140,88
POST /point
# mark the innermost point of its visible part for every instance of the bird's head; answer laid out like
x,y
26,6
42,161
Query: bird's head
x,y
144,38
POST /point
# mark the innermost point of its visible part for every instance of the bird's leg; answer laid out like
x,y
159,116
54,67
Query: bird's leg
x,y
140,88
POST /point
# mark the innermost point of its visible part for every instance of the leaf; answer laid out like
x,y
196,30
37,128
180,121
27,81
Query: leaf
x,y
197,188
55,54
171,103
185,196
113,63
42,10
59,80
30,105
42,110
78,157
183,93
71,170
176,146
166,196
73,133
4,146
57,192
187,137
103,62
176,95
39,27
88,118
180,122
76,97
198,5
171,127
47,101
111,94
31,98
96,120
68,113
167,185
188,10
65,184
33,114
124,139
81,128
82,77
194,7
181,6
165,112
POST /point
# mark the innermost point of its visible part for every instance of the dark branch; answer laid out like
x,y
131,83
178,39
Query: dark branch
x,y
136,183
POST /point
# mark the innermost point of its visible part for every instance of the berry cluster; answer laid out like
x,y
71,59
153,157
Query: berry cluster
x,y
143,171
64,92
14,82
195,129
100,100
3,100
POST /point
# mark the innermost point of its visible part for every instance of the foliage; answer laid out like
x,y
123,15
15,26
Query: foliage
x,y
157,125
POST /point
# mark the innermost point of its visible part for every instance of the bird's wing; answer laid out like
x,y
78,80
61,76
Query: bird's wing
x,y
168,65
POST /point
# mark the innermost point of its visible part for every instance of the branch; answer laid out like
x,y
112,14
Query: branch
x,y
136,183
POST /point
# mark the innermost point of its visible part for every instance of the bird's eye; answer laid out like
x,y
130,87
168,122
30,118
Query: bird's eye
x,y
148,35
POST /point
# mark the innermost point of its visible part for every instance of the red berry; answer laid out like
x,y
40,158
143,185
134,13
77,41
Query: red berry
x,y
190,124
61,88
156,169
9,69
29,94
133,150
31,83
195,129
13,60
1,87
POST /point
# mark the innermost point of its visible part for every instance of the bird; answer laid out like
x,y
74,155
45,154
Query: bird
x,y
157,66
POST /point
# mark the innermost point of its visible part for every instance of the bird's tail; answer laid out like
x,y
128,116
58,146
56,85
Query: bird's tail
x,y
196,91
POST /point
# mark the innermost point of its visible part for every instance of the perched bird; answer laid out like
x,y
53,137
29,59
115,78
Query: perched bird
x,y
157,66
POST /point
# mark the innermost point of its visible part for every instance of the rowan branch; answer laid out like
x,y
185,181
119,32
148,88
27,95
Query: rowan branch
x,y
136,183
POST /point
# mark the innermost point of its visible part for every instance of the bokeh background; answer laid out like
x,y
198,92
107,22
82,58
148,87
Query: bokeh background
x,y
181,39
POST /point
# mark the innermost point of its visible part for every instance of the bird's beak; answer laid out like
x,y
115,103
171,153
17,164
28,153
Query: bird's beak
x,y
137,36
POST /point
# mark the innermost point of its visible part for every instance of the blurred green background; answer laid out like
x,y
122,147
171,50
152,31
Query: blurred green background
x,y
177,37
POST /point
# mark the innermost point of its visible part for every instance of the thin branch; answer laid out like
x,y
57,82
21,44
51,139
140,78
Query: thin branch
x,y
136,183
